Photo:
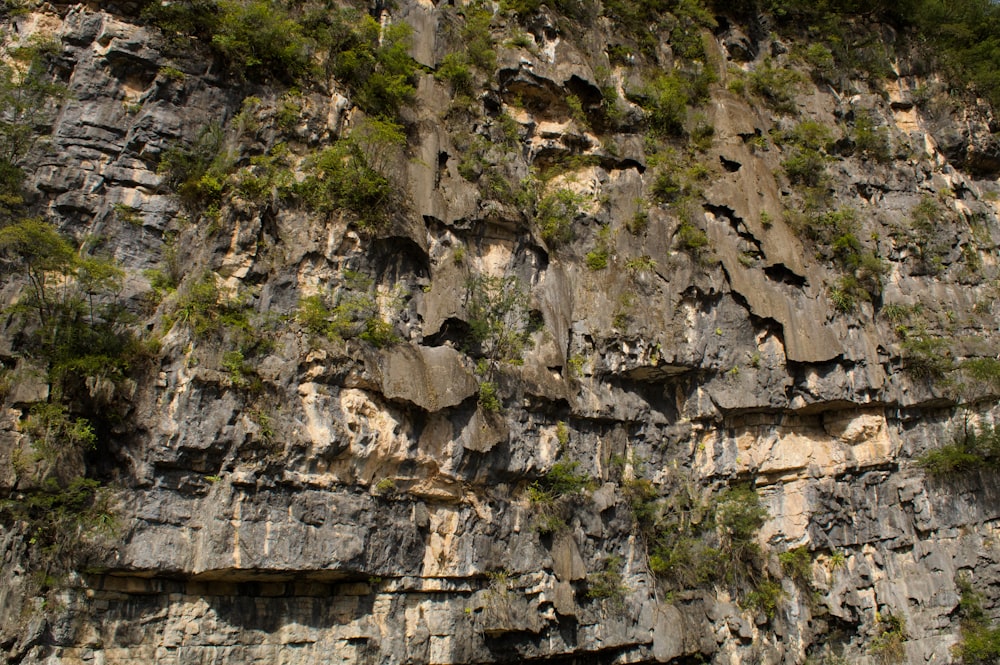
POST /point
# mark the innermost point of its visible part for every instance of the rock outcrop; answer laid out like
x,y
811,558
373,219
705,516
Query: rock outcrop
x,y
381,483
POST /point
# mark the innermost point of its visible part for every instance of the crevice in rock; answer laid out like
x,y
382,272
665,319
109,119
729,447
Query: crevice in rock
x,y
779,272
728,214
730,165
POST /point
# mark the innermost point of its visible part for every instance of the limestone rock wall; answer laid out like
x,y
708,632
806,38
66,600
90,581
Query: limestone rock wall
x,y
362,506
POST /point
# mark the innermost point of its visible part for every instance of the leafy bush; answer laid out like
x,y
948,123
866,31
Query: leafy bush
x,y
29,96
73,321
665,100
797,564
890,634
198,172
373,63
454,69
597,259
354,314
555,214
976,449
927,357
871,140
608,583
775,85
489,397
693,240
562,480
260,38
766,597
497,309
61,522
351,174
979,642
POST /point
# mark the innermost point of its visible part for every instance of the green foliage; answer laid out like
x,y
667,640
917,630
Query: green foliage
x,y
775,85
355,313
696,539
871,140
562,480
644,20
976,449
597,259
202,308
69,312
806,167
498,317
555,214
797,564
984,371
890,634
477,38
352,174
29,96
692,240
62,522
820,59
373,63
260,38
608,583
980,641
489,397
638,264
454,69
384,487
665,100
766,597
638,223
198,172
835,234
926,356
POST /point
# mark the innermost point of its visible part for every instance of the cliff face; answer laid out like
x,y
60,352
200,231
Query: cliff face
x,y
593,380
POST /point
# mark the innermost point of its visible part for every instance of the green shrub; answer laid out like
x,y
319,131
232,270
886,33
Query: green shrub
x,y
477,38
766,597
820,59
555,215
806,167
562,480
871,140
198,173
890,634
608,583
373,63
691,239
454,69
498,317
638,223
975,449
260,38
62,523
355,313
379,332
980,641
775,85
597,259
665,100
927,357
797,564
29,97
351,174
69,313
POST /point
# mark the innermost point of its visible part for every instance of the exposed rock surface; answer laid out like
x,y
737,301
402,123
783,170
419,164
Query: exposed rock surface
x,y
363,506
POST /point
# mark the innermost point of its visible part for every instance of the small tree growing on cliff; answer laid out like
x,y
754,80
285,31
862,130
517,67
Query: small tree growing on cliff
x,y
499,319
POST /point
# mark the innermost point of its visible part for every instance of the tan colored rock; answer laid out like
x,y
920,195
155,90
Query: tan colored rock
x,y
432,378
